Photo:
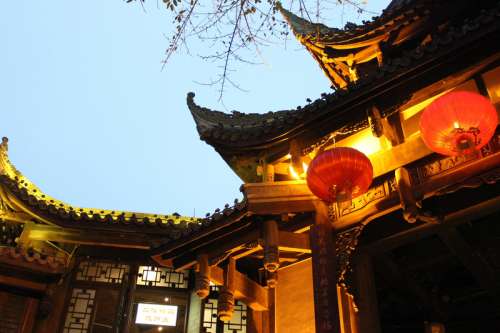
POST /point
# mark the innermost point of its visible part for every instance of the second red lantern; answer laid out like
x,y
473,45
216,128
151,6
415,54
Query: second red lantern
x,y
459,122
339,174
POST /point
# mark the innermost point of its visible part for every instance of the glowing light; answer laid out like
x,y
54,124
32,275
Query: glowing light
x,y
456,125
293,172
150,274
166,299
160,328
304,167
365,142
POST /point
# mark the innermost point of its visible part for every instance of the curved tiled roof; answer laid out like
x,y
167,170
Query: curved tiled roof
x,y
243,132
396,14
46,209
31,260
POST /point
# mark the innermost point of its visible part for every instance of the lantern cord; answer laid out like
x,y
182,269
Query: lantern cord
x,y
332,138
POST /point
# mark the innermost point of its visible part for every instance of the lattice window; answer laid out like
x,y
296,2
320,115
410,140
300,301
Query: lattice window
x,y
237,324
210,316
79,312
98,271
161,277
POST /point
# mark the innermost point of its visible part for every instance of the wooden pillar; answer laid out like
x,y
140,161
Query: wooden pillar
x,y
195,320
202,277
271,243
324,264
225,303
29,316
52,309
367,295
263,321
128,295
271,313
348,312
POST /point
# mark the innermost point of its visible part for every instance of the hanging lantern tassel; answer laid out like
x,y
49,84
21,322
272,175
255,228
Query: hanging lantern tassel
x,y
458,123
339,175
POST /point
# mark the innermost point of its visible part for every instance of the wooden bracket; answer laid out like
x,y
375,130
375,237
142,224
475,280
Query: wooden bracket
x,y
412,208
296,153
384,126
409,203
245,289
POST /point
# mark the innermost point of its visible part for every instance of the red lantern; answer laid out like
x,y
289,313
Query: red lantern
x,y
339,174
457,123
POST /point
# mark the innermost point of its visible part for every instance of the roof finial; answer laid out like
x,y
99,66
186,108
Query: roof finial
x,y
4,146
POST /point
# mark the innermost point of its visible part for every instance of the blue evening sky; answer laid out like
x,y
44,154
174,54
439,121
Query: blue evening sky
x,y
94,121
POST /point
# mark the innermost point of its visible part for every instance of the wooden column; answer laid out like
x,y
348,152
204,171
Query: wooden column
x,y
225,304
270,315
29,316
367,295
202,277
347,311
195,320
271,246
129,299
324,264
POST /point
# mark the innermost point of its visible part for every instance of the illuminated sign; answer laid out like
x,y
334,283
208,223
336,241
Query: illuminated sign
x,y
156,314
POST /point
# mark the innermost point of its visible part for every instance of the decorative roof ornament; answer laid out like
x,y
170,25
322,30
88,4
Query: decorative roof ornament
x,y
347,54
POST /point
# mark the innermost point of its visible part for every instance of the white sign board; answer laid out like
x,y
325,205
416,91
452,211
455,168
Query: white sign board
x,y
156,314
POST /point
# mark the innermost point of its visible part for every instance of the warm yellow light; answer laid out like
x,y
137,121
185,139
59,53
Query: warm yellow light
x,y
166,299
160,328
456,125
304,167
293,172
365,142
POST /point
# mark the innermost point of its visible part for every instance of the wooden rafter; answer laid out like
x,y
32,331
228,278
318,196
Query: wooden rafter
x,y
471,259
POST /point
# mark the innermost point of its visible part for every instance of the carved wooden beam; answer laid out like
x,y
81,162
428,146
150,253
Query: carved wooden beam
x,y
22,283
279,197
478,211
382,199
39,232
245,289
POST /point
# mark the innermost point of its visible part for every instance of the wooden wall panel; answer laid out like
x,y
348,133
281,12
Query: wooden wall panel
x,y
294,299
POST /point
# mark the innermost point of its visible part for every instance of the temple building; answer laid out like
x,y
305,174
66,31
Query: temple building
x,y
375,208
